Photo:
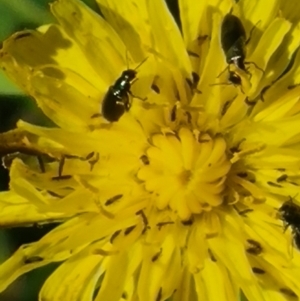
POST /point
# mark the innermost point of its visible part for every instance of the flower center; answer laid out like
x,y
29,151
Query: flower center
x,y
186,171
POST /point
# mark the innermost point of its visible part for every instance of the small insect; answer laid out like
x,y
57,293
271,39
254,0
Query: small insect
x,y
116,100
236,77
233,41
290,215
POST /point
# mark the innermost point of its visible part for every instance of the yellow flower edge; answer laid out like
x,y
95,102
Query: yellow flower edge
x,y
178,199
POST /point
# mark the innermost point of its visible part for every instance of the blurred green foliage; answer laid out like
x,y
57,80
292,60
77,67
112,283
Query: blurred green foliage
x,y
18,15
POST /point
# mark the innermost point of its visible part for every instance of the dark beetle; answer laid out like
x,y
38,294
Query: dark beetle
x,y
116,100
290,214
233,40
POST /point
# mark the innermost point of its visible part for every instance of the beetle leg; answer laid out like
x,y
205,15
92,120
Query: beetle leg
x,y
250,34
138,97
248,63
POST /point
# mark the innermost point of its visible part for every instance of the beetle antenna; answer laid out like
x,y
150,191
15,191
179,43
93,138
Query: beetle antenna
x,y
252,63
221,84
251,31
227,68
228,84
141,63
127,60
292,198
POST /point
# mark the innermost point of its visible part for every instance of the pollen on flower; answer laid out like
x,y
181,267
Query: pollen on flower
x,y
170,156
186,171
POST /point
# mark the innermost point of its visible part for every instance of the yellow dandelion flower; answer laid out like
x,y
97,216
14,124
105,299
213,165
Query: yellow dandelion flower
x,y
172,152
